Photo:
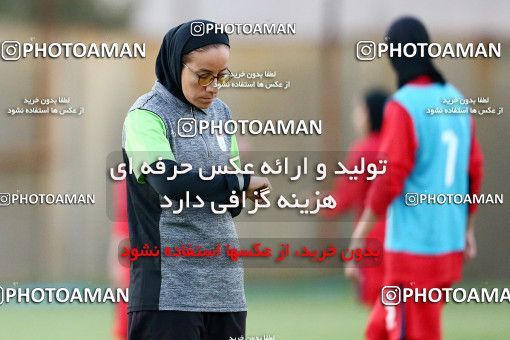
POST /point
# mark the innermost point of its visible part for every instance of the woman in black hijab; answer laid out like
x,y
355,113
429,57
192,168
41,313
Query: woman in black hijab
x,y
410,30
177,44
174,296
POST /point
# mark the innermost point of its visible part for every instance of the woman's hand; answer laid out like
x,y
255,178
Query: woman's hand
x,y
352,273
470,250
256,184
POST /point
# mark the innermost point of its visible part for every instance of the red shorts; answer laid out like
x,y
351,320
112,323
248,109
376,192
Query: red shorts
x,y
120,328
371,282
408,320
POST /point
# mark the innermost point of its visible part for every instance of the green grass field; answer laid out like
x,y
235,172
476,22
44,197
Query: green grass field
x,y
297,309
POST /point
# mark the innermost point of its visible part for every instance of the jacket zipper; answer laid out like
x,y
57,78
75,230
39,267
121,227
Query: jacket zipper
x,y
202,136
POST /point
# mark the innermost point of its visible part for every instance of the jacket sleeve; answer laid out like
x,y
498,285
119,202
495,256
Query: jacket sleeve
x,y
146,142
398,147
475,170
345,192
218,189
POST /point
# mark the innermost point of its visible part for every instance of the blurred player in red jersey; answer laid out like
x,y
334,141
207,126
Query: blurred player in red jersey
x,y
119,267
351,194
425,244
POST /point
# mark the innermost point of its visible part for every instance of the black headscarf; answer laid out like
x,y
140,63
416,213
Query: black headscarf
x,y
375,100
410,30
178,42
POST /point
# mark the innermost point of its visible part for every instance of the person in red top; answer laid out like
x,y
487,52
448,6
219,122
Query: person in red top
x,y
425,245
119,267
351,194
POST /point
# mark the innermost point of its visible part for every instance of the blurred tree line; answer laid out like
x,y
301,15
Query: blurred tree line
x,y
105,13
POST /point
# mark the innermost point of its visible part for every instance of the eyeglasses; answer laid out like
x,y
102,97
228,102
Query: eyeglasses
x,y
206,79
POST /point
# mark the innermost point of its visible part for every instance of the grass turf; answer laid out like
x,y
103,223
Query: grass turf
x,y
291,309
